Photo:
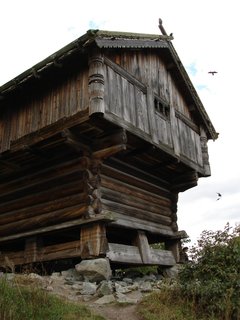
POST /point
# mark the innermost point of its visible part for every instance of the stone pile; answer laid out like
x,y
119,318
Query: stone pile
x,y
92,282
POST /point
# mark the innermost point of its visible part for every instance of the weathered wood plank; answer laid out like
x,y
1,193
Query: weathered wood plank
x,y
47,253
135,180
124,254
106,217
130,254
45,175
162,257
107,152
140,201
44,220
93,240
56,193
136,212
129,222
143,246
47,131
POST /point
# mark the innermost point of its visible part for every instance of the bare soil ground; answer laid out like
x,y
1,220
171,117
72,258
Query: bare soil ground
x,y
116,311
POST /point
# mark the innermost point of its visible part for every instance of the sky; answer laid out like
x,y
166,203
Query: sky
x,y
206,36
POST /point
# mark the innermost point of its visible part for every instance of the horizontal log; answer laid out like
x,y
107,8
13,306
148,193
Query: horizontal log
x,y
108,152
74,142
162,257
53,252
43,208
60,251
136,212
131,255
105,216
42,220
125,188
55,193
129,222
44,176
134,181
134,201
114,138
124,254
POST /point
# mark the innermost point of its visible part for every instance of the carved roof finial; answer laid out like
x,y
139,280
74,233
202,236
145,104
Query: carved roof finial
x,y
161,27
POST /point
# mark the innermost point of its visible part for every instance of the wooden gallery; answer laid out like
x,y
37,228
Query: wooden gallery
x,y
96,142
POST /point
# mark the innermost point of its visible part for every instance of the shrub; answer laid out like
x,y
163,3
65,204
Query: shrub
x,y
212,278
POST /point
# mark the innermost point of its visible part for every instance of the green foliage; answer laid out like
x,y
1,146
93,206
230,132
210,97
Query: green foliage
x,y
212,279
18,303
208,287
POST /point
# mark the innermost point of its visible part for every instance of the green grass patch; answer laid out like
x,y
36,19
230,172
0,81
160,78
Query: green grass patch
x,y
168,305
32,303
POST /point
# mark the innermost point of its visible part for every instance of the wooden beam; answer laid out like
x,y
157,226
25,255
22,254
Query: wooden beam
x,y
44,175
41,254
9,165
108,152
75,143
105,216
124,254
28,200
110,139
131,223
44,220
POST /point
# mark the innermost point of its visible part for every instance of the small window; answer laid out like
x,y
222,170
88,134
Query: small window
x,y
161,107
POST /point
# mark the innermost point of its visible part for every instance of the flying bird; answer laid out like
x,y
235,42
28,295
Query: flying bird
x,y
212,72
219,196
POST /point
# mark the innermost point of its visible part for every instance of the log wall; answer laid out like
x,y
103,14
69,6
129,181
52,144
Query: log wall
x,y
45,198
136,203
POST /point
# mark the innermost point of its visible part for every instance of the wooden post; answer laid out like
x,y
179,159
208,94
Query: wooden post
x,y
143,246
93,241
96,83
173,245
31,250
205,157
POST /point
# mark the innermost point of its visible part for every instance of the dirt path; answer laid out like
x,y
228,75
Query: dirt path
x,y
116,312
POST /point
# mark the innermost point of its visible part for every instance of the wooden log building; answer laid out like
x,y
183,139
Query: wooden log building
x,y
96,142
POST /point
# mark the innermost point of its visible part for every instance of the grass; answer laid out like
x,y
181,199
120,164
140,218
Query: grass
x,y
168,305
32,303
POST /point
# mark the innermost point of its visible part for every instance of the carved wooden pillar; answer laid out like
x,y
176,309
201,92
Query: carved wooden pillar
x,y
96,83
91,178
205,157
174,199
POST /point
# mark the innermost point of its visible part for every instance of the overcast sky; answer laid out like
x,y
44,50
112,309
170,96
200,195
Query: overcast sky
x,y
206,36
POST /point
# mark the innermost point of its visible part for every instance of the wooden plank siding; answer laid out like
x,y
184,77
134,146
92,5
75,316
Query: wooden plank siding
x,y
44,107
126,97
